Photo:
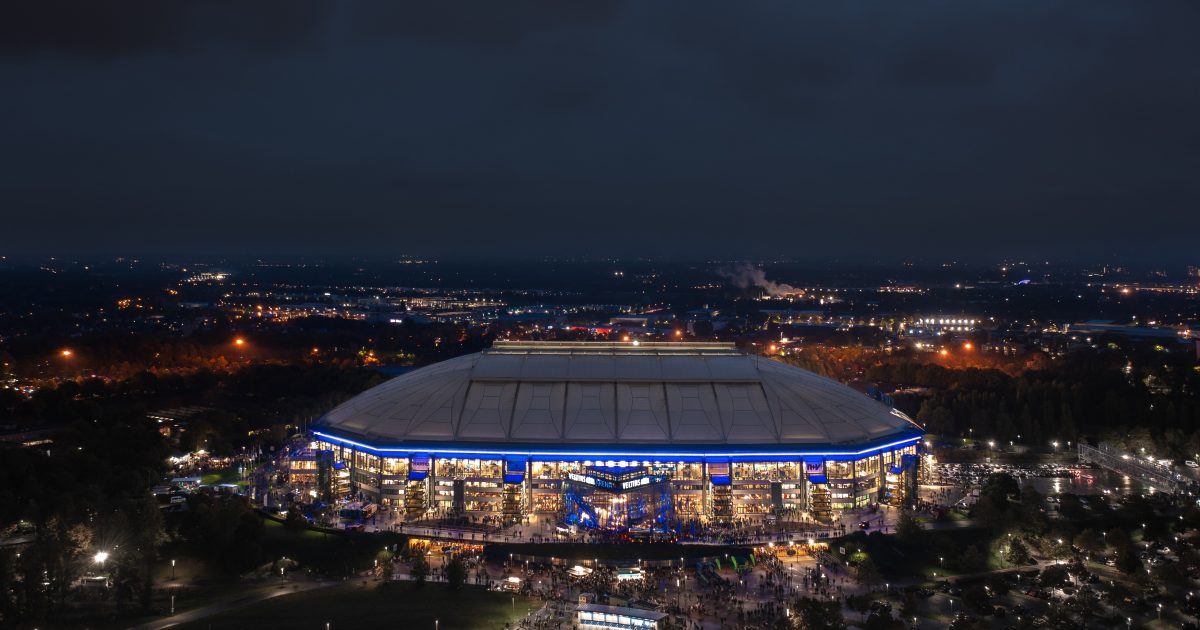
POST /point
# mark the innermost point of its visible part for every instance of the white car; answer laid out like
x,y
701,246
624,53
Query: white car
x,y
1192,464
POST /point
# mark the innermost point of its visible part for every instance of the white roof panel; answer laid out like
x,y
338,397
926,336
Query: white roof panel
x,y
652,394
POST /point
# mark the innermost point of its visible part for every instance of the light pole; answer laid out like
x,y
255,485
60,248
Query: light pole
x,y
172,569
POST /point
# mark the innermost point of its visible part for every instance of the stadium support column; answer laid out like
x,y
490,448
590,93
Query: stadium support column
x,y
854,483
353,470
882,474
325,475
722,492
516,475
417,491
909,464
528,503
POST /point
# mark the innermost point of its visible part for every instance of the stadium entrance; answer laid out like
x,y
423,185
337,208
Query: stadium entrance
x,y
619,498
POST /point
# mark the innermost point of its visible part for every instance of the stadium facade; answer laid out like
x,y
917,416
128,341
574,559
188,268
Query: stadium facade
x,y
617,435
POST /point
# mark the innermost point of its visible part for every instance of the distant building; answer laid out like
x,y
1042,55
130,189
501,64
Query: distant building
x,y
1097,327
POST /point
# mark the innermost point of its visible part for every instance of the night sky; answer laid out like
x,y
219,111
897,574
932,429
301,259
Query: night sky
x,y
852,129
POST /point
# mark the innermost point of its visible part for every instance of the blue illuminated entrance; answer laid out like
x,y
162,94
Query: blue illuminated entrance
x,y
617,497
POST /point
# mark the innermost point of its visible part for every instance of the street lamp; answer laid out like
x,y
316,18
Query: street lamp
x,y
100,557
172,568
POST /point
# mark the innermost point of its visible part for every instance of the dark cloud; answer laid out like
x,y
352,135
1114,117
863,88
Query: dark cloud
x,y
517,128
130,27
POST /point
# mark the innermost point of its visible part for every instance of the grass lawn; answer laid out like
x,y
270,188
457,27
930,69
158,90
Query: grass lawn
x,y
336,554
223,475
378,605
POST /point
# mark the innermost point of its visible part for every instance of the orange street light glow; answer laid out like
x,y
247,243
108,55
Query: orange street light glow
x,y
968,346
66,352
943,352
239,342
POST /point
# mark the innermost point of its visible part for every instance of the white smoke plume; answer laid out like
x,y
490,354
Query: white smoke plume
x,y
746,275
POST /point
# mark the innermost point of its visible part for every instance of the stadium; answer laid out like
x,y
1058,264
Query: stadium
x,y
617,435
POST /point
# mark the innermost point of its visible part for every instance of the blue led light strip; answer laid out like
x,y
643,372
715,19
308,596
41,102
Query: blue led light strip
x,y
617,455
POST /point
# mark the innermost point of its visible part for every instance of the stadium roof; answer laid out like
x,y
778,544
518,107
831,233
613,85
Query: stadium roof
x,y
652,395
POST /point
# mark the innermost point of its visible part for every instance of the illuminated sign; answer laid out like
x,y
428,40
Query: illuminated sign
x,y
636,482
633,483
591,481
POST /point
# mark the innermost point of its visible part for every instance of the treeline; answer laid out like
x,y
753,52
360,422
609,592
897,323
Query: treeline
x,y
847,363
254,397
121,355
88,491
1147,401
87,494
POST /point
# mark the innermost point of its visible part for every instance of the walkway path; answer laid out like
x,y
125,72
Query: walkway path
x,y
250,597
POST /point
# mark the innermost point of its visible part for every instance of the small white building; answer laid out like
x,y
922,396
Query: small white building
x,y
598,617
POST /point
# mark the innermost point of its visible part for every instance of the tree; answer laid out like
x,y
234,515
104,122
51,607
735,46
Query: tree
x,y
420,569
971,560
456,573
868,573
1053,575
812,614
1117,537
1089,542
908,529
1127,561
1018,554
1000,486
295,519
